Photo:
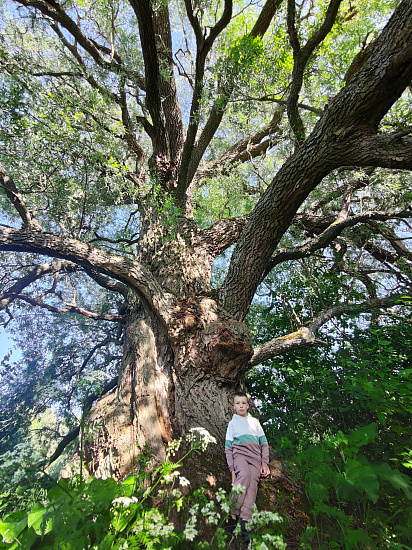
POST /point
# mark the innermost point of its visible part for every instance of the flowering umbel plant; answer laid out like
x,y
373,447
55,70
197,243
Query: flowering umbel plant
x,y
199,438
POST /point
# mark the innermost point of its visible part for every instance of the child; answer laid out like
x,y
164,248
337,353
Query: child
x,y
247,454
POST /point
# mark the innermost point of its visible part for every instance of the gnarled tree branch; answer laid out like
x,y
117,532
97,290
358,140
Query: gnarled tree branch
x,y
305,337
301,56
219,107
329,234
131,273
337,135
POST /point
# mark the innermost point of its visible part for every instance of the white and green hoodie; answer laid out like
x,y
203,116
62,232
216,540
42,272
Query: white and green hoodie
x,y
245,436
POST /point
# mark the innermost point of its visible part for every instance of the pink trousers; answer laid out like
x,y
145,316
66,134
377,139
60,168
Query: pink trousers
x,y
247,475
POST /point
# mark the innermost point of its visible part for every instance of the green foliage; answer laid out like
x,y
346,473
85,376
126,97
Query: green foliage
x,y
102,514
356,501
341,418
224,196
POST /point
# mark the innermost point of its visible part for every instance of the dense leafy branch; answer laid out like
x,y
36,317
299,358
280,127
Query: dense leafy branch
x,y
101,54
108,340
220,105
301,57
204,43
244,150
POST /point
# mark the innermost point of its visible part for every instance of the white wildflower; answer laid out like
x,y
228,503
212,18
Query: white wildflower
x,y
225,507
138,526
125,501
190,533
194,510
209,512
264,517
173,446
200,438
238,489
169,478
152,525
183,481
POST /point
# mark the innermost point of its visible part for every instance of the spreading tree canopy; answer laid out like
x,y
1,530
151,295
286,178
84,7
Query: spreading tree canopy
x,y
164,164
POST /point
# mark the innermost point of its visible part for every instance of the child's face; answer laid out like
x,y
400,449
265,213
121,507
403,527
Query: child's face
x,y
240,405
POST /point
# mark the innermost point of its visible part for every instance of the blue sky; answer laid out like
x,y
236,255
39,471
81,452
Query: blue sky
x,y
6,343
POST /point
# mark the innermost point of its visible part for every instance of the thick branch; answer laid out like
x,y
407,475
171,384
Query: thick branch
x,y
170,102
305,337
328,235
204,46
106,282
301,56
352,114
12,193
396,242
127,122
34,275
145,17
223,234
224,94
385,151
131,273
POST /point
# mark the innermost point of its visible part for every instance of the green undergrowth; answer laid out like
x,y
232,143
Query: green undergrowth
x,y
357,501
151,511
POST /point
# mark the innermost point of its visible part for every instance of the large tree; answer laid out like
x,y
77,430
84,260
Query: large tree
x,y
143,140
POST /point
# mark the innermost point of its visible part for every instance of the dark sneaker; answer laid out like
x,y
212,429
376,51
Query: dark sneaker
x,y
244,531
230,526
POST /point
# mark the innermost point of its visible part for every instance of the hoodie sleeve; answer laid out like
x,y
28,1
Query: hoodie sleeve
x,y
264,446
228,447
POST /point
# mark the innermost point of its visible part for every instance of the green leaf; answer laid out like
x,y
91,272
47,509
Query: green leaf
x,y
128,486
25,541
101,492
396,479
123,516
36,517
10,530
363,477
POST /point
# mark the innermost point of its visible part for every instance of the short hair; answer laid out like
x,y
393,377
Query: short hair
x,y
240,394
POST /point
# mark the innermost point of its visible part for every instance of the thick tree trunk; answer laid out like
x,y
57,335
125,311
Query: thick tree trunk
x,y
179,370
137,415
171,381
